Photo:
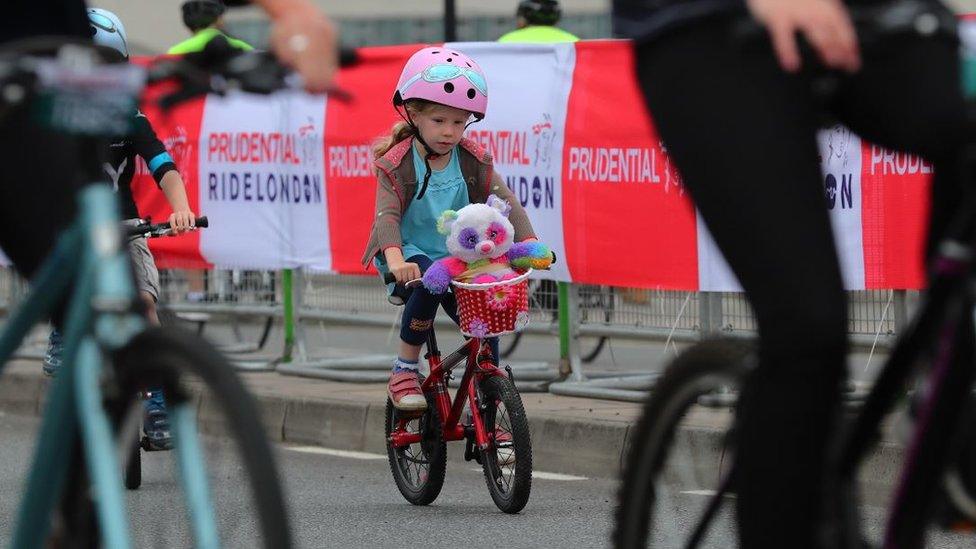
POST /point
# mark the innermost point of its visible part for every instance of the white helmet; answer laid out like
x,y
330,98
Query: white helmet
x,y
107,31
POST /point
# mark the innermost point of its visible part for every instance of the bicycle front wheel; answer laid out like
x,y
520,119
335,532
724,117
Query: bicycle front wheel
x,y
190,370
675,482
508,461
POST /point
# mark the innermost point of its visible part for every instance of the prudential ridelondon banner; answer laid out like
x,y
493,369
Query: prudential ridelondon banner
x,y
262,181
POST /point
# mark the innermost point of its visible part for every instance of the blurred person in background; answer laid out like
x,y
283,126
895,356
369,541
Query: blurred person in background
x,y
42,175
536,21
716,100
204,18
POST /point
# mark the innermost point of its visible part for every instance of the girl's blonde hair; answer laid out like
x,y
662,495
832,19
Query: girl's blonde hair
x,y
401,130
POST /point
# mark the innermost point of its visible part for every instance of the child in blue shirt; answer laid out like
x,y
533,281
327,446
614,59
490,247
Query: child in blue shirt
x,y
440,91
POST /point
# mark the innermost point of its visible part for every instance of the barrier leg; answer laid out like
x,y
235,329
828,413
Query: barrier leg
x,y
569,361
287,287
710,313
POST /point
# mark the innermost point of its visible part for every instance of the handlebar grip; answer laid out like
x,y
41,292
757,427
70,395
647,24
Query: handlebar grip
x,y
553,256
201,223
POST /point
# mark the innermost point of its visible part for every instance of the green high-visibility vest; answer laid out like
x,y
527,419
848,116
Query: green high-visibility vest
x,y
199,41
539,34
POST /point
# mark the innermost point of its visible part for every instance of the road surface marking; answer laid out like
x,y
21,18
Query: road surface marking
x,y
333,452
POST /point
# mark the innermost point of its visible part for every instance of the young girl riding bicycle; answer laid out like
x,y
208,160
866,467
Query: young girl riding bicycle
x,y
423,168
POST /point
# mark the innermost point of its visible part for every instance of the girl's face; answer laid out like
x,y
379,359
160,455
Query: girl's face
x,y
441,127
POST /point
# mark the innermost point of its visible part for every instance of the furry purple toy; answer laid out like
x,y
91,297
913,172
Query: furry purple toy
x,y
481,242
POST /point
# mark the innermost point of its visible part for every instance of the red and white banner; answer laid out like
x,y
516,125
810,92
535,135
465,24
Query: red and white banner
x,y
524,129
287,181
840,154
262,182
626,218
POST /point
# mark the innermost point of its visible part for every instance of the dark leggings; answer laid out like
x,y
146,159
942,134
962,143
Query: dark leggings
x,y
421,307
743,134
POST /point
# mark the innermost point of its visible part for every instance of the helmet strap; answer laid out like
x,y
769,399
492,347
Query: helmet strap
x,y
429,151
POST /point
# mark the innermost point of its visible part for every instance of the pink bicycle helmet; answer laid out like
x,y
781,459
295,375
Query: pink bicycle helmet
x,y
444,76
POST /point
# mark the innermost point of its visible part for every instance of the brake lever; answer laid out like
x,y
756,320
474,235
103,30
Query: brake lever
x,y
413,283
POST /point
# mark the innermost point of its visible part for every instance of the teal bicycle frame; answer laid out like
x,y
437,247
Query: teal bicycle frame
x,y
89,265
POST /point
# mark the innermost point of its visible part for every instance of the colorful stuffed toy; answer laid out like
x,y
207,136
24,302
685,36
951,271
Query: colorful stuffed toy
x,y
481,242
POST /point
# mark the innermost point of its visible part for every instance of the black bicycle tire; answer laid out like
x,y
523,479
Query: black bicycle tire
x,y
76,521
514,340
133,468
510,346
266,332
157,356
433,430
497,388
722,360
597,349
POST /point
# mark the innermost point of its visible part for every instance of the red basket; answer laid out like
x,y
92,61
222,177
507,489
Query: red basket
x,y
493,309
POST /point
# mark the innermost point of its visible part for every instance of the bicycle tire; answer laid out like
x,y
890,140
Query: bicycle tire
x,y
606,305
161,357
133,468
75,522
511,491
422,491
587,358
542,297
508,348
698,371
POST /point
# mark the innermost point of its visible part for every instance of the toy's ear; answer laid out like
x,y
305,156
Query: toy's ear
x,y
499,204
445,221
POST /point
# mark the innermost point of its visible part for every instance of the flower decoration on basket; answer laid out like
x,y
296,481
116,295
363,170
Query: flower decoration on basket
x,y
482,244
500,297
478,328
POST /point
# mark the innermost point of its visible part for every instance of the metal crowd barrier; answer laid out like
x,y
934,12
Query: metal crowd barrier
x,y
589,317
195,298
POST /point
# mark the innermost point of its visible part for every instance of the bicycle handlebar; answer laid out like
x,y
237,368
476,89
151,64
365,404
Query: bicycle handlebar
x,y
220,68
147,229
217,69
388,278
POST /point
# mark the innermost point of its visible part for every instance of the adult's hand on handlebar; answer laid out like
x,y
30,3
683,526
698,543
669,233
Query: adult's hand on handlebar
x,y
826,25
305,40
181,222
405,272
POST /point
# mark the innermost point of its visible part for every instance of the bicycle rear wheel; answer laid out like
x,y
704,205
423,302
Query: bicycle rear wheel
x,y
185,365
507,464
665,503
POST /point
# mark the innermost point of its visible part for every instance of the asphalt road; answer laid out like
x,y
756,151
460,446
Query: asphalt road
x,y
349,500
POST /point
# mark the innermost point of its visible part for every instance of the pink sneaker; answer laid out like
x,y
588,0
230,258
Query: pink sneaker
x,y
405,393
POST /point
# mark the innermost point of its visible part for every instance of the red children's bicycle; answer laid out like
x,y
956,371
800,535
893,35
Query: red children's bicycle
x,y
496,432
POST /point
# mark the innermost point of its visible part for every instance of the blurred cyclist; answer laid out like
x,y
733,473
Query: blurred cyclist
x,y
205,20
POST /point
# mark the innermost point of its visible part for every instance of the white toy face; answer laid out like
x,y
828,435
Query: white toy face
x,y
480,232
